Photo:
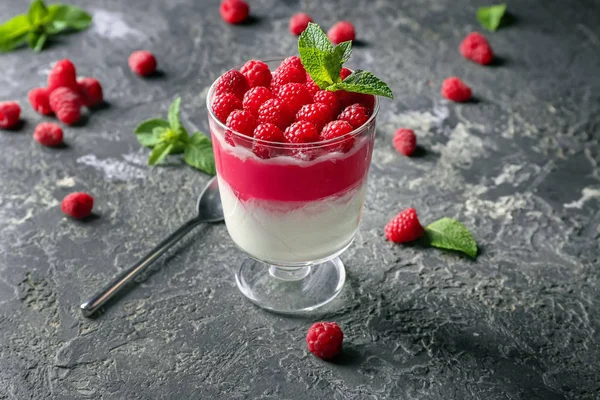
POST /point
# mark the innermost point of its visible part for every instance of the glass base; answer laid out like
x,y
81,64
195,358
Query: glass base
x,y
291,290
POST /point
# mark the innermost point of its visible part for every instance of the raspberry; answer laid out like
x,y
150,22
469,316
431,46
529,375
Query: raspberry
x,y
275,112
224,104
232,81
292,61
10,112
324,340
356,114
77,205
311,85
269,133
454,89
142,62
328,98
255,97
38,98
66,104
316,113
294,96
62,74
285,75
48,134
301,132
257,73
299,22
341,32
234,11
366,100
476,48
404,227
336,129
91,91
241,121
405,141
344,73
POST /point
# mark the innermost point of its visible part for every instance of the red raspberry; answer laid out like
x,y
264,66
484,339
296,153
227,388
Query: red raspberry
x,y
257,73
66,104
366,100
299,22
328,98
224,104
38,98
294,96
234,11
324,340
91,91
241,121
336,129
292,61
255,97
341,32
356,114
454,89
269,133
10,112
311,85
232,81
273,111
48,134
476,48
344,73
301,132
62,74
142,62
405,141
285,75
77,205
404,227
316,113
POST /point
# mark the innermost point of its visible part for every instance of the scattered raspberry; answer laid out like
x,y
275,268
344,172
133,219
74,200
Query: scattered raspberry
x,y
38,98
77,205
10,112
232,81
324,340
62,74
142,62
476,48
285,75
301,132
316,113
48,134
311,85
344,73
241,121
66,104
91,91
234,11
294,96
336,129
273,111
292,61
454,89
405,141
355,114
257,73
224,104
328,98
404,227
299,22
269,133
255,97
341,32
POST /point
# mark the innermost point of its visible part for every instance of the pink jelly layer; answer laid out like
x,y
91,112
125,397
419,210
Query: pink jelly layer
x,y
289,179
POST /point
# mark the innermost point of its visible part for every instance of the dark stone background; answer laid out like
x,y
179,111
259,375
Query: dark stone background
x,y
519,166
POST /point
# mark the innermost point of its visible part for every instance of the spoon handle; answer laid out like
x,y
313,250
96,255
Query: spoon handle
x,y
91,305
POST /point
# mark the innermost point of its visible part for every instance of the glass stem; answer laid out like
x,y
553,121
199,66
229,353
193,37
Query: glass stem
x,y
289,273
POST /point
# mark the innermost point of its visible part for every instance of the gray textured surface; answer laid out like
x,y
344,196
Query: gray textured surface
x,y
519,167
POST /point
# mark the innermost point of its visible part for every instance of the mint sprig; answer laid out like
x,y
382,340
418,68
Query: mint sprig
x,y
447,233
323,61
166,137
40,23
490,17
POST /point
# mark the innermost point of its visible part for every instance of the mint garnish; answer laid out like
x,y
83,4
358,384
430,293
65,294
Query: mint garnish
x,y
170,137
447,233
323,62
490,17
41,22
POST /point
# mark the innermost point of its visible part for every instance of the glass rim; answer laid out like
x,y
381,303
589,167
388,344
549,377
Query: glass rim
x,y
251,139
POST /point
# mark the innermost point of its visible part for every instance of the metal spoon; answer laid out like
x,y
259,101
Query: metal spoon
x,y
209,210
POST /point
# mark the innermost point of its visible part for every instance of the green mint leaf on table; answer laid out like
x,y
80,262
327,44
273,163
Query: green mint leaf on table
x,y
13,33
447,233
149,132
174,121
363,82
159,152
490,17
36,40
37,13
64,17
199,154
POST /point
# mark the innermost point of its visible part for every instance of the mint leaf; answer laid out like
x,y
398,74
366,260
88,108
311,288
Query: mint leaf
x,y
363,82
346,49
13,33
36,40
198,153
317,56
149,132
174,121
63,17
159,152
37,13
448,233
490,17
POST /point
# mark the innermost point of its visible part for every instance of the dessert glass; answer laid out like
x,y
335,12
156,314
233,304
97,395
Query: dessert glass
x,y
293,211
